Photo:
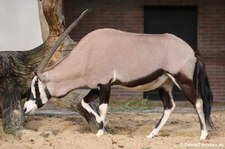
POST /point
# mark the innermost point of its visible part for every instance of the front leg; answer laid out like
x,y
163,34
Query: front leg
x,y
89,110
104,95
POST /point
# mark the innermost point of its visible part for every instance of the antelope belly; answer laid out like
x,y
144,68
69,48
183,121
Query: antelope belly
x,y
149,86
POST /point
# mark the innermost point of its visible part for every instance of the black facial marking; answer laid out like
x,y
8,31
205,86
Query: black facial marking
x,y
39,103
47,93
37,89
30,97
37,92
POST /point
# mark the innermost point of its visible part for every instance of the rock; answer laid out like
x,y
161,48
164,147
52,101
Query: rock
x,y
46,134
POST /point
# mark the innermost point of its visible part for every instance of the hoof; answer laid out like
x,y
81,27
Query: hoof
x,y
100,132
204,135
152,134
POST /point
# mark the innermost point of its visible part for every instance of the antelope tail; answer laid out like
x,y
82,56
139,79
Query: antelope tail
x,y
202,86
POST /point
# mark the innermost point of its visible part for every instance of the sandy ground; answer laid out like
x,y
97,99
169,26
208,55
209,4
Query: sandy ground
x,y
126,130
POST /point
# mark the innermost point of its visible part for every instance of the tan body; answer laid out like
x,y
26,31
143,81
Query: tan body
x,y
107,55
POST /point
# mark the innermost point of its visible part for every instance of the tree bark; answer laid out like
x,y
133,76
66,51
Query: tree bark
x,y
17,67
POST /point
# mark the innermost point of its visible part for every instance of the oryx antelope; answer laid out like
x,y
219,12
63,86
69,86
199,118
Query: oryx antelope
x,y
142,62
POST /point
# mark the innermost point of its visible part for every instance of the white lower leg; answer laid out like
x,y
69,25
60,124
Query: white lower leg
x,y
100,132
103,108
164,119
90,110
199,109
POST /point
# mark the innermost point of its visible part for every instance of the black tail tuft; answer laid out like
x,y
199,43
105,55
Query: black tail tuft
x,y
203,88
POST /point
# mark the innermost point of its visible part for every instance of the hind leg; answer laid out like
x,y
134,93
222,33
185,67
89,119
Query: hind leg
x,y
169,105
188,89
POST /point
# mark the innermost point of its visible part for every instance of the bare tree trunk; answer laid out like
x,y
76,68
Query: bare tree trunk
x,y
16,68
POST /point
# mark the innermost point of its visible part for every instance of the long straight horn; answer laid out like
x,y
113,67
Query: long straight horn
x,y
58,42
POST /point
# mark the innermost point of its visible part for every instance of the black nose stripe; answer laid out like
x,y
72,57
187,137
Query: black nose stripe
x,y
39,103
36,86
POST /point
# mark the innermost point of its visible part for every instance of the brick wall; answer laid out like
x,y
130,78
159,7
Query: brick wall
x,y
211,43
104,15
127,15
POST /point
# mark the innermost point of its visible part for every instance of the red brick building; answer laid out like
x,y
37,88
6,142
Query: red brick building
x,y
207,21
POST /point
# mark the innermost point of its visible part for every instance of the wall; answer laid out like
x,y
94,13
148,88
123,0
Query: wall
x,y
20,28
127,15
211,44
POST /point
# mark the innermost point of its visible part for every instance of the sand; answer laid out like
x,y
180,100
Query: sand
x,y
126,130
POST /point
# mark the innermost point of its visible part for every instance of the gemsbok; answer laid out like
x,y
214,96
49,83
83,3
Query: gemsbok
x,y
142,62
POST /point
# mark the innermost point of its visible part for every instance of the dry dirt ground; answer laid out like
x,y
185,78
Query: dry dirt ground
x,y
126,130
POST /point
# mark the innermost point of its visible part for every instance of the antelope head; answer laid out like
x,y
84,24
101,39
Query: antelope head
x,y
39,94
